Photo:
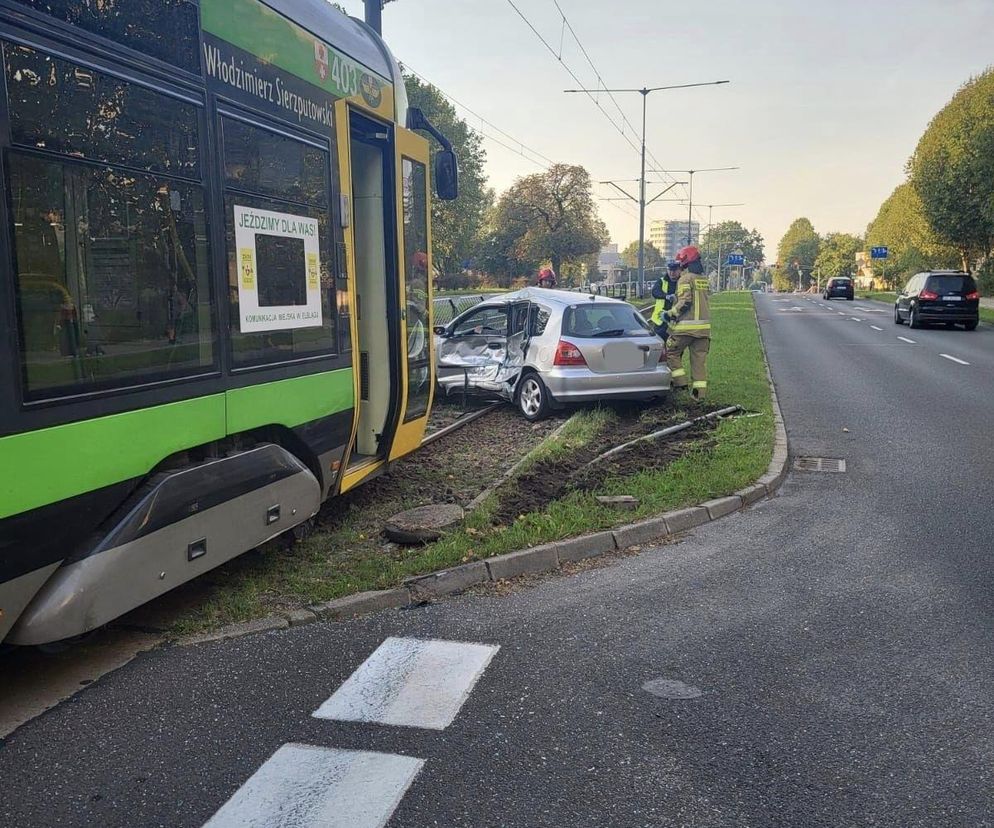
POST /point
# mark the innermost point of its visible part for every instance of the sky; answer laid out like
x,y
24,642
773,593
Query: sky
x,y
825,104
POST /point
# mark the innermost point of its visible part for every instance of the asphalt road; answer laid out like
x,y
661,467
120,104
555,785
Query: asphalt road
x,y
839,634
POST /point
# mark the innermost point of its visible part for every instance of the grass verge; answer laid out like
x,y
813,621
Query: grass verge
x,y
347,557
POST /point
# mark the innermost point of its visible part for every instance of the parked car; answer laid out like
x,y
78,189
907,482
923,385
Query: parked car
x,y
543,348
840,286
948,297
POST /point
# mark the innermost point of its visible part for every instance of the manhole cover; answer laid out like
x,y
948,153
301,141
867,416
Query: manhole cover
x,y
819,464
672,689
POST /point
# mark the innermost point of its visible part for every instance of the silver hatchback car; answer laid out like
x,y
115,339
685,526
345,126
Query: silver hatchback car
x,y
541,348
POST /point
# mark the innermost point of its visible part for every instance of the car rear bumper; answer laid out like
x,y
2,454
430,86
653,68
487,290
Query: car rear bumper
x,y
582,384
948,314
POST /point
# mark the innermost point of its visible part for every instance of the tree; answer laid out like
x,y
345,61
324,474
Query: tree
x,y
456,226
630,255
952,170
727,236
547,216
837,255
901,226
797,249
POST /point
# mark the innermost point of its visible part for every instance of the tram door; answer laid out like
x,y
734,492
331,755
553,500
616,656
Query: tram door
x,y
376,286
414,244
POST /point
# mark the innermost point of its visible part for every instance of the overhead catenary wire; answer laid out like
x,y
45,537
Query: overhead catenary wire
x,y
516,146
625,122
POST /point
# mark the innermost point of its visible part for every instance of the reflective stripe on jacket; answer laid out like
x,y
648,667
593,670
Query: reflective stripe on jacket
x,y
692,311
660,290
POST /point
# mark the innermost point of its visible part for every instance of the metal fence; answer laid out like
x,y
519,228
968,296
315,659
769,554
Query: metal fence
x,y
447,308
621,290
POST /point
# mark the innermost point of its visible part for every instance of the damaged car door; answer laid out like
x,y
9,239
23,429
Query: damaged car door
x,y
484,349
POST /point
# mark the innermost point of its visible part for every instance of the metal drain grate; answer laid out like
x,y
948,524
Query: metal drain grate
x,y
819,464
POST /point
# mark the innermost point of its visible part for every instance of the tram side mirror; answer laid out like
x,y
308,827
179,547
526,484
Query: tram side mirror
x,y
447,175
439,330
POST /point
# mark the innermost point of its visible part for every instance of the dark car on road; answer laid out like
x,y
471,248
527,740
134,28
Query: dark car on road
x,y
948,297
841,287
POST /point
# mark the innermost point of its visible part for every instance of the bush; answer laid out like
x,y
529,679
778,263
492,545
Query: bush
x,y
985,278
455,281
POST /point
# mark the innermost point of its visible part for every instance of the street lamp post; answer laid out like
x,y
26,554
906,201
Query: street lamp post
x,y
690,194
644,92
707,253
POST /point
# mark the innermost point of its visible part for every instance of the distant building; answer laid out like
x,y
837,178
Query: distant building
x,y
609,265
609,255
864,272
669,236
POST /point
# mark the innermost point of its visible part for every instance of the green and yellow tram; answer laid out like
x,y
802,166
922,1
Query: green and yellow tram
x,y
214,293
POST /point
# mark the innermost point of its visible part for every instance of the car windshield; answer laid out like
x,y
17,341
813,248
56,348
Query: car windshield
x,y
950,284
603,320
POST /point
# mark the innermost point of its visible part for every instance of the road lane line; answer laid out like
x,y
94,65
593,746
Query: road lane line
x,y
876,328
842,313
905,339
855,319
301,786
408,682
955,359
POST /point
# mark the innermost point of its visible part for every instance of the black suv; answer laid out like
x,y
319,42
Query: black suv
x,y
949,297
840,286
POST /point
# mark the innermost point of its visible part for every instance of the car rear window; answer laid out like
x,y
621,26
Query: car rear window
x,y
951,284
840,282
602,320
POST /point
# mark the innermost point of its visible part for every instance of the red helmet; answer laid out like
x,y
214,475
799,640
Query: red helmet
x,y
687,255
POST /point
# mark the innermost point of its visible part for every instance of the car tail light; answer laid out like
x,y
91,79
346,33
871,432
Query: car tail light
x,y
973,294
662,355
928,295
568,354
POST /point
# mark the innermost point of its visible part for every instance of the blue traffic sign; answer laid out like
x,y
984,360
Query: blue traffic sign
x,y
878,252
736,259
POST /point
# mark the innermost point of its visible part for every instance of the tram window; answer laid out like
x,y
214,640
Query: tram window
x,y
163,29
112,277
416,280
60,107
263,162
278,231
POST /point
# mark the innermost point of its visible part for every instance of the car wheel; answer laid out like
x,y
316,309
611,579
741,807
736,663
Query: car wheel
x,y
897,316
533,398
971,326
913,321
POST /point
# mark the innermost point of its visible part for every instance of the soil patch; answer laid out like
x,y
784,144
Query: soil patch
x,y
554,478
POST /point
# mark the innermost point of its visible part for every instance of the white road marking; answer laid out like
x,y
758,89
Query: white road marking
x,y
865,310
876,328
410,683
855,319
955,359
842,313
905,339
301,786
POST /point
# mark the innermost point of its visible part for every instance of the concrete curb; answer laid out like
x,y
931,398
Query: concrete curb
x,y
537,559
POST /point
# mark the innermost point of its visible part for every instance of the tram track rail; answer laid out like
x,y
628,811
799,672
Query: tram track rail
x,y
465,420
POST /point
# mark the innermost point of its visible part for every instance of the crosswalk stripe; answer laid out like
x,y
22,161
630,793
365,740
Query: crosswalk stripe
x,y
302,786
410,683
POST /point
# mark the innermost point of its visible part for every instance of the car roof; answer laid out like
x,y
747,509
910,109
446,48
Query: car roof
x,y
563,298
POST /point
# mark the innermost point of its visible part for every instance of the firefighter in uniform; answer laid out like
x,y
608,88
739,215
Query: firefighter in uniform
x,y
664,292
690,324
